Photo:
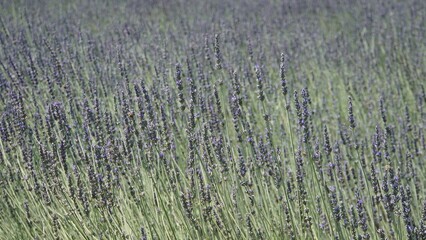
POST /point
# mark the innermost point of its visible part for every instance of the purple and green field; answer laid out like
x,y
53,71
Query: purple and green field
x,y
190,119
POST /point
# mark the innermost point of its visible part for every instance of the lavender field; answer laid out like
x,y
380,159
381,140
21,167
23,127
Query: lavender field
x,y
188,119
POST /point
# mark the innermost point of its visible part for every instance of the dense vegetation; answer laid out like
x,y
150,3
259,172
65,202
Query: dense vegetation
x,y
294,119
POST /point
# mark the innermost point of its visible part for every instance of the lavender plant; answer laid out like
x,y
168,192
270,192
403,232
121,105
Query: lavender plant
x,y
212,119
